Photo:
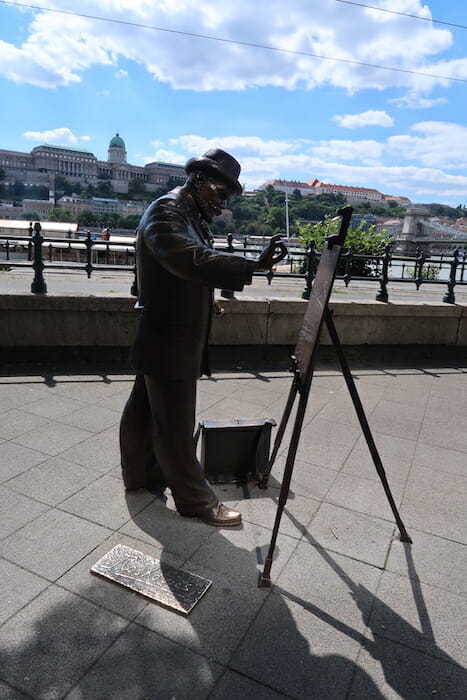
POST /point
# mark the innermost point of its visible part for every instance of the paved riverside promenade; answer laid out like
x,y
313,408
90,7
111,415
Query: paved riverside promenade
x,y
353,612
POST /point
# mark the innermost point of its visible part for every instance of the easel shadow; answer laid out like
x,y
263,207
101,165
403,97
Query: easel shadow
x,y
416,671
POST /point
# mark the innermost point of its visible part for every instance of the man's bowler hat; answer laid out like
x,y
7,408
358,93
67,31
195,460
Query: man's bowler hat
x,y
219,163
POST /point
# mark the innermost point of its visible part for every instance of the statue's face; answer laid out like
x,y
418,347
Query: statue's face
x,y
211,196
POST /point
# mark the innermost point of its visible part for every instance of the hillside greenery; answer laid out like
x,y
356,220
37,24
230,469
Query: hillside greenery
x,y
260,214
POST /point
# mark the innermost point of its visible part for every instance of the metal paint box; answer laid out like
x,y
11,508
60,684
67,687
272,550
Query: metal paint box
x,y
234,451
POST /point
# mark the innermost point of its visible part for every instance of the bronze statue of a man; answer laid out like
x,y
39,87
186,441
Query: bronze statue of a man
x,y
177,271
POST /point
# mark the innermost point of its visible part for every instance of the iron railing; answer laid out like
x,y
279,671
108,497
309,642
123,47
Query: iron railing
x,y
93,254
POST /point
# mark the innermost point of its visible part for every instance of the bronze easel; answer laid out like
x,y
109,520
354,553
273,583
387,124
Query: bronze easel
x,y
303,360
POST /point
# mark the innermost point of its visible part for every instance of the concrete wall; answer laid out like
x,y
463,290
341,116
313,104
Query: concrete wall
x,y
44,321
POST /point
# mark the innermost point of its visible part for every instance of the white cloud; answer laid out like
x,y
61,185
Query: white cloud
x,y
60,48
415,101
417,165
372,117
61,136
121,74
433,144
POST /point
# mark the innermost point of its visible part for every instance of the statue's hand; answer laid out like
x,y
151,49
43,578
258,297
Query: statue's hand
x,y
273,253
217,308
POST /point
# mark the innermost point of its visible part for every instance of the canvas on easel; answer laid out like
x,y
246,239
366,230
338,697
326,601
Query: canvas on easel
x,y
303,361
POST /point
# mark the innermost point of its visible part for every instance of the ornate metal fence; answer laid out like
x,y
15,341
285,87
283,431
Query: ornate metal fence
x,y
92,255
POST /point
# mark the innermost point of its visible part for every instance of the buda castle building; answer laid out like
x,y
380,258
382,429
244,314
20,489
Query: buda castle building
x,y
44,162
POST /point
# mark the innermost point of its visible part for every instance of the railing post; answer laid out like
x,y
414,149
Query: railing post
x,y
89,243
38,285
419,261
383,281
134,284
228,293
30,229
449,297
310,257
348,257
7,249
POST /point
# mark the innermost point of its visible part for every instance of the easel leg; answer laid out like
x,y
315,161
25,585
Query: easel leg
x,y
364,423
263,478
265,578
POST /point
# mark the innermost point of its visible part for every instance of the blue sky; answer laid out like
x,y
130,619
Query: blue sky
x,y
75,81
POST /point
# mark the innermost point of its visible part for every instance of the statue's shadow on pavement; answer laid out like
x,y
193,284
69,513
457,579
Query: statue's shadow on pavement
x,y
88,638
275,636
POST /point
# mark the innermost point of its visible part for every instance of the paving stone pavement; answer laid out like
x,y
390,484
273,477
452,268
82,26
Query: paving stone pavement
x,y
353,612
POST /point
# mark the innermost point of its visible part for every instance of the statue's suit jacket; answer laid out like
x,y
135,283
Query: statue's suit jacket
x,y
177,271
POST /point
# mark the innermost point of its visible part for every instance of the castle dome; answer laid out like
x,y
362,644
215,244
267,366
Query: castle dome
x,y
117,151
117,142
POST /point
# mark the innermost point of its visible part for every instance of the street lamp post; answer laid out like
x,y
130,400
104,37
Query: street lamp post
x,y
287,229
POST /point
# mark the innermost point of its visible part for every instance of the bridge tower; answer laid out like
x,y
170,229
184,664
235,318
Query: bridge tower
x,y
413,230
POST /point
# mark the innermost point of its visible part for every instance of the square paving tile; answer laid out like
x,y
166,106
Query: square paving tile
x,y
18,394
393,671
92,418
297,652
15,459
104,501
434,501
261,509
143,664
16,510
100,452
308,479
162,526
233,686
87,388
54,406
244,551
16,422
219,620
9,693
53,543
400,420
330,585
51,643
453,418
364,495
117,401
233,408
18,588
52,438
396,461
432,560
53,480
362,537
439,458
444,436
422,617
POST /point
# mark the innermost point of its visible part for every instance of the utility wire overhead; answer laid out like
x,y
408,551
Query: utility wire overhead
x,y
403,14
233,41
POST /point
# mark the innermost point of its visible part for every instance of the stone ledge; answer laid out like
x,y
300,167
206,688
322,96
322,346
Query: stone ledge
x,y
71,321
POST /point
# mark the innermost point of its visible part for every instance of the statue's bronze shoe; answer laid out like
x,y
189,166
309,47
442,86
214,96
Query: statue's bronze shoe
x,y
221,516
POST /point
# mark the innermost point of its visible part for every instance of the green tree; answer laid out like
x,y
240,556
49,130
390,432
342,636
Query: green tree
x,y
361,240
62,185
104,189
87,218
130,222
19,188
136,188
58,214
30,216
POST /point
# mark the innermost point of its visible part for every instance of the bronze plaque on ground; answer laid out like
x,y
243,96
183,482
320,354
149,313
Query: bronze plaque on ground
x,y
170,587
